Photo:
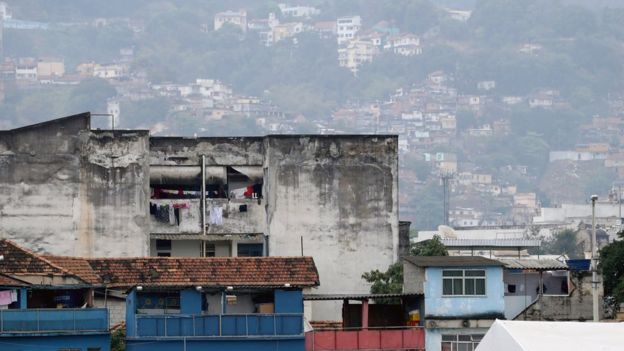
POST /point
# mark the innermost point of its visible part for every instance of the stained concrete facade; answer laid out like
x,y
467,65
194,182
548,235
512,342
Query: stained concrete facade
x,y
69,190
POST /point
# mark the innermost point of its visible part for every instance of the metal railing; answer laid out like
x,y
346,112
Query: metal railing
x,y
225,325
66,320
376,338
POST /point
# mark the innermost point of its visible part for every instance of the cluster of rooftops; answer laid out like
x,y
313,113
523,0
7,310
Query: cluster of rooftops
x,y
20,267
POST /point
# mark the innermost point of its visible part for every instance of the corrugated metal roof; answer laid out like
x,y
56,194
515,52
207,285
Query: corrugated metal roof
x,y
451,261
327,297
543,264
493,243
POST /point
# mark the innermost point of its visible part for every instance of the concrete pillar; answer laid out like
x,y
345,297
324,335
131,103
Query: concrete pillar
x,y
365,314
234,248
23,299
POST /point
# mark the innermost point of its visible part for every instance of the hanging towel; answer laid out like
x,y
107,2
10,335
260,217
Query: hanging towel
x,y
5,297
216,215
172,218
13,296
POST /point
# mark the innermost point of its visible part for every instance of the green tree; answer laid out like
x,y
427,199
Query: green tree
x,y
563,242
612,266
433,247
391,281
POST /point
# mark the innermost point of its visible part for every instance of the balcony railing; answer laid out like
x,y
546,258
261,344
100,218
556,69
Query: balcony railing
x,y
65,320
243,325
387,338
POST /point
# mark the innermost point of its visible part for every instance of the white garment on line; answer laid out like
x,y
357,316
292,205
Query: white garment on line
x,y
216,215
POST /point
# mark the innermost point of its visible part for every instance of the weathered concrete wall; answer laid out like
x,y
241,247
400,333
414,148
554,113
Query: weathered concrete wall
x,y
575,307
169,151
67,190
115,177
413,279
340,194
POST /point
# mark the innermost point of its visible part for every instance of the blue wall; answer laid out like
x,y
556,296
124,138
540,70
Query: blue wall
x,y
54,343
437,305
297,344
288,301
131,313
190,301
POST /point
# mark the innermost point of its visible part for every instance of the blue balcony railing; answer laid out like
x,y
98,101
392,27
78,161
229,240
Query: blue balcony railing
x,y
65,320
230,325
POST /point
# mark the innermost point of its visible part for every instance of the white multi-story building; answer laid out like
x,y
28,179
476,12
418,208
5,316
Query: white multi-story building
x,y
347,28
406,45
236,18
298,11
356,53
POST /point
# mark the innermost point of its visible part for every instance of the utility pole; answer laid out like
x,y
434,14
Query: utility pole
x,y
594,261
446,177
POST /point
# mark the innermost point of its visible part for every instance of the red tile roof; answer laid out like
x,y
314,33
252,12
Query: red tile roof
x,y
79,267
19,261
163,271
8,281
215,271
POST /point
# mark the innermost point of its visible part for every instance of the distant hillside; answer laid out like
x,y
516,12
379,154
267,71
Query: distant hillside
x,y
569,181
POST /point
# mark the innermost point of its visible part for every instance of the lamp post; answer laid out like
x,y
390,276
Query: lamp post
x,y
594,260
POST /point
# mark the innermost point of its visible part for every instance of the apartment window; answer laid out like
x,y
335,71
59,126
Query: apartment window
x,y
163,254
461,342
163,245
210,250
249,250
463,282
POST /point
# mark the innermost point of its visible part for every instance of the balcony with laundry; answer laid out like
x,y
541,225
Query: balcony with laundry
x,y
233,200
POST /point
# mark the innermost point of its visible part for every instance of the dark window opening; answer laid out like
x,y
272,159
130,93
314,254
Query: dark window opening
x,y
249,250
163,245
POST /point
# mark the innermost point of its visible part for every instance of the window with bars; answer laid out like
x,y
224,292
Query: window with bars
x,y
463,282
457,342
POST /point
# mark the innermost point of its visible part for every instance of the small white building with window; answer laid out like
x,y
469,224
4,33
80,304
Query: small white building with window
x,y
464,295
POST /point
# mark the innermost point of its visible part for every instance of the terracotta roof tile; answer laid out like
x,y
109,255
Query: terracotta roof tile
x,y
214,271
8,281
19,261
77,266
163,271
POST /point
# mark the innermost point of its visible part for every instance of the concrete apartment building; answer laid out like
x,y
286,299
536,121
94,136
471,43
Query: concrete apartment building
x,y
66,189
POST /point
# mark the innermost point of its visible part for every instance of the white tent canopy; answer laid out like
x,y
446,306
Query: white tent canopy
x,y
553,336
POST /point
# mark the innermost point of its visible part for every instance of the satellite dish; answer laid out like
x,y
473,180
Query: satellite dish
x,y
447,232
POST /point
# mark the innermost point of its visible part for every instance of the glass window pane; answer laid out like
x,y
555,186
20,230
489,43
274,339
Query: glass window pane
x,y
464,338
477,273
447,286
452,273
464,347
470,286
480,286
449,338
458,287
447,346
477,337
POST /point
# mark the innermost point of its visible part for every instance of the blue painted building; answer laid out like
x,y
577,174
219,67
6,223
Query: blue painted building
x,y
46,307
220,303
462,298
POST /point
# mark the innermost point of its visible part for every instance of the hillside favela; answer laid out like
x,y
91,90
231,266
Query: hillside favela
x,y
312,175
